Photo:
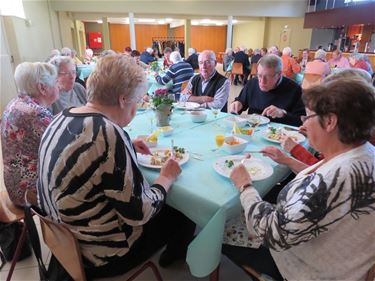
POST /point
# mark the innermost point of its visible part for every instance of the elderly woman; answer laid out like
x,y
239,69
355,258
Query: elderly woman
x,y
290,65
319,64
89,178
326,214
71,92
24,120
228,59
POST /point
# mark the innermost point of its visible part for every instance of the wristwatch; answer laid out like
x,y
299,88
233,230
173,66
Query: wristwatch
x,y
243,187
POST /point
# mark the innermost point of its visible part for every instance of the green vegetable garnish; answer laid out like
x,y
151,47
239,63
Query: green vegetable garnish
x,y
229,163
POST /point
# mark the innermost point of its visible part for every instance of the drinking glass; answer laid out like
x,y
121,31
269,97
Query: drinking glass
x,y
219,139
215,110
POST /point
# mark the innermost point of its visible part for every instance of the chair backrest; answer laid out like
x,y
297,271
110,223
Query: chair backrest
x,y
310,80
237,68
64,246
183,85
254,69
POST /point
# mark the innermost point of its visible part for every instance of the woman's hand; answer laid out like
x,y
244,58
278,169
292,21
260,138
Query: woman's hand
x,y
168,173
287,143
302,130
275,154
240,176
141,147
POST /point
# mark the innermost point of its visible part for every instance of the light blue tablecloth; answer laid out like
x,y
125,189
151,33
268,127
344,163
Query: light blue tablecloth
x,y
200,193
153,85
84,70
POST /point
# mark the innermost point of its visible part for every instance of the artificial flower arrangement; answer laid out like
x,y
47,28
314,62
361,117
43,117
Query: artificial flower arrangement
x,y
154,66
161,97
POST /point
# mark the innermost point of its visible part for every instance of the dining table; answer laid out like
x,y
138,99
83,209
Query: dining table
x,y
84,70
201,193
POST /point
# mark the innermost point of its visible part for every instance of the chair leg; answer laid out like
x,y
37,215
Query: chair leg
x,y
143,268
17,253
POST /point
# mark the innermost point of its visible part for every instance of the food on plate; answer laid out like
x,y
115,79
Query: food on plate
x,y
254,170
274,134
159,157
229,163
233,142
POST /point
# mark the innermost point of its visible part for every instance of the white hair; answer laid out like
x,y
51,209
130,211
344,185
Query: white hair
x,y
55,52
210,53
273,50
66,52
287,51
229,51
175,57
28,75
191,51
57,61
320,54
149,50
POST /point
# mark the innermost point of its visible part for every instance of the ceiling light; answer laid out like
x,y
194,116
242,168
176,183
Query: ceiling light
x,y
99,21
219,23
194,22
168,19
234,21
146,20
206,21
161,22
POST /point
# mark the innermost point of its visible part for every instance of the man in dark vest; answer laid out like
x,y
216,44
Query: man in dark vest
x,y
210,88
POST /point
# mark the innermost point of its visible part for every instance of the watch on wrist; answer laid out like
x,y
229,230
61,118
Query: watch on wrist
x,y
243,187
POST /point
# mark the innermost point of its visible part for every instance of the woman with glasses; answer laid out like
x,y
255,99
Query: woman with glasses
x,y
24,120
322,227
71,92
89,178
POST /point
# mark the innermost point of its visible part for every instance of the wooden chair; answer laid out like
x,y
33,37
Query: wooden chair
x,y
310,80
9,213
253,71
237,69
64,246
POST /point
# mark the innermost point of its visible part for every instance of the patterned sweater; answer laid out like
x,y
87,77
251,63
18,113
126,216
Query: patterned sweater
x,y
323,226
89,179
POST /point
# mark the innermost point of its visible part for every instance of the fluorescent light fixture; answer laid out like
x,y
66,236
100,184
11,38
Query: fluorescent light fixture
x,y
206,21
161,22
168,19
219,23
126,20
234,21
146,20
99,21
194,22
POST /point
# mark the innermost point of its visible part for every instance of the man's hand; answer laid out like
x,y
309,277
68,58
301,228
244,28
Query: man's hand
x,y
235,107
274,112
201,99
141,147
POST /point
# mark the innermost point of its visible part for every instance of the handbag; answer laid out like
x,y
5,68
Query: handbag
x,y
55,271
10,234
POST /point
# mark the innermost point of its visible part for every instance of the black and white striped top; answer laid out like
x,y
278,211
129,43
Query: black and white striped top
x,y
89,179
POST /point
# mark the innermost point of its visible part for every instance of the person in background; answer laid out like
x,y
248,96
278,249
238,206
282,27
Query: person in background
x,y
250,53
305,59
88,162
256,56
319,64
193,58
290,65
107,53
273,50
24,120
338,60
167,53
89,56
369,69
127,51
271,94
241,57
146,57
156,54
66,52
135,54
71,92
228,58
76,60
263,51
326,214
210,88
179,72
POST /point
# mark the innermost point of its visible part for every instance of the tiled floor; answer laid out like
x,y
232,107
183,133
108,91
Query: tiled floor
x,y
28,270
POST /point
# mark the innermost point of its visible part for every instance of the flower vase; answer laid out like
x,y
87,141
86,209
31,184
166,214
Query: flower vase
x,y
163,115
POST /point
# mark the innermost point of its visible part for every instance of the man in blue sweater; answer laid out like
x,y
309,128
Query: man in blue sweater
x,y
271,94
179,72
146,56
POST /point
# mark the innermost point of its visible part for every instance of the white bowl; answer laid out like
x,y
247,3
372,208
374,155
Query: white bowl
x,y
149,143
240,122
246,133
166,131
234,148
198,116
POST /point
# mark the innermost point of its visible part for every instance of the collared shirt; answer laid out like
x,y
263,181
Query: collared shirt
x,y
220,97
342,62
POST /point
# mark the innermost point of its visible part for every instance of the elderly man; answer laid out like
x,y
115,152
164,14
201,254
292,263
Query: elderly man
x,y
210,88
271,94
179,72
71,92
242,57
338,60
193,58
146,56
290,65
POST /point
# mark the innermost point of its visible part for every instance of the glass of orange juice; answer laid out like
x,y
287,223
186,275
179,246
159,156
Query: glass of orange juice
x,y
219,138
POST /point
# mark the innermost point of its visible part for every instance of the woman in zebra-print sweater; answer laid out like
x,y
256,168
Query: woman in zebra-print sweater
x,y
89,178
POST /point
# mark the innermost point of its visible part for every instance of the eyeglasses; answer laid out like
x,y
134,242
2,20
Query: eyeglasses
x,y
266,77
68,73
205,62
305,118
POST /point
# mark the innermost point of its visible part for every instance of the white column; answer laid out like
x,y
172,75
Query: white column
x,y
229,31
133,44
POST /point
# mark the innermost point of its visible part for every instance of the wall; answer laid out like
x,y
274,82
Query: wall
x,y
93,27
67,30
209,37
299,37
249,34
322,37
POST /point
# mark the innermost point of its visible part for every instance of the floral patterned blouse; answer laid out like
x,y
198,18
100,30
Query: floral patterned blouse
x,y
22,127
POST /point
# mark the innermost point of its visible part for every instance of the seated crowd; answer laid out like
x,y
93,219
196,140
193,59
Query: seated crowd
x,y
65,141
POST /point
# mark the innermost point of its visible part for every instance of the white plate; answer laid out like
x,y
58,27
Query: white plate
x,y
265,170
186,105
253,118
297,137
145,160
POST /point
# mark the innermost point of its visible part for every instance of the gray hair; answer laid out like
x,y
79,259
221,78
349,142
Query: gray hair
x,y
175,57
149,50
273,50
107,52
191,51
57,61
229,51
55,52
66,52
346,73
272,61
257,52
28,75
320,54
210,53
287,51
